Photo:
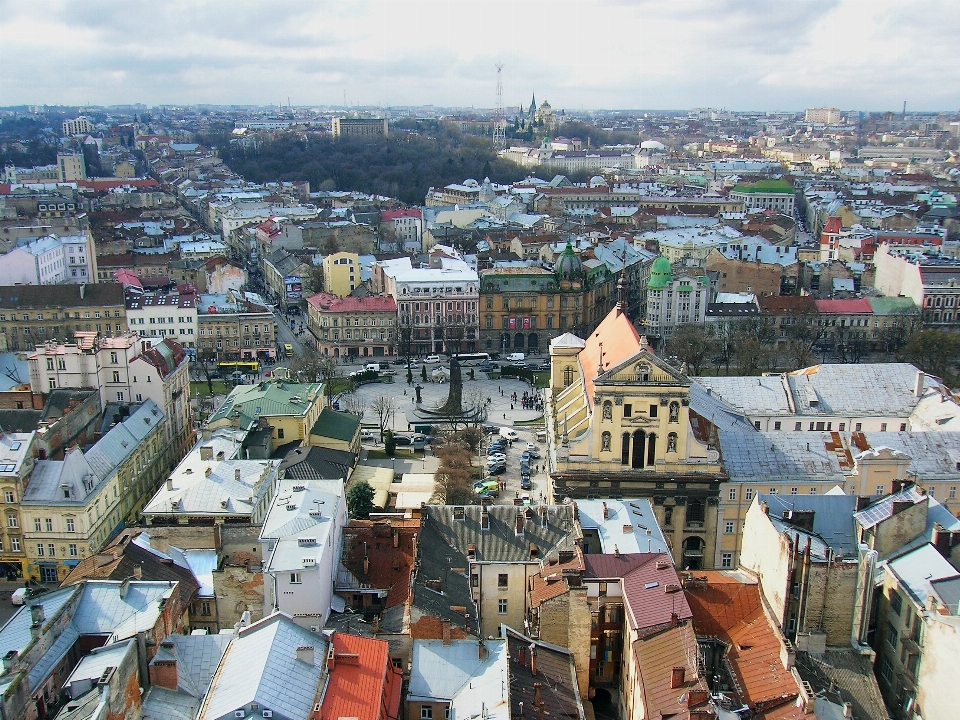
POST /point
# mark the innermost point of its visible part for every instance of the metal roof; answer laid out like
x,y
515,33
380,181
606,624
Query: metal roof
x,y
456,673
832,520
630,526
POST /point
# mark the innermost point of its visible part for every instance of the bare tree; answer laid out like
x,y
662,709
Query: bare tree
x,y
383,407
355,404
311,366
693,344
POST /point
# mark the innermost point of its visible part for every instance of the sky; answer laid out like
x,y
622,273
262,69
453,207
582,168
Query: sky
x,y
577,54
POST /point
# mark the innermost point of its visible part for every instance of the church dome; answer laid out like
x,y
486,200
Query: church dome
x,y
486,191
568,265
661,274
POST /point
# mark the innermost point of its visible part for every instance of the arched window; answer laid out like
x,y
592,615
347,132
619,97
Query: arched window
x,y
695,511
567,375
674,412
605,442
672,443
607,410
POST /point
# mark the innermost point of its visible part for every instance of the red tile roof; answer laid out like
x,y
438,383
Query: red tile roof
x,y
388,567
106,184
363,684
651,586
725,608
844,307
620,341
786,304
327,302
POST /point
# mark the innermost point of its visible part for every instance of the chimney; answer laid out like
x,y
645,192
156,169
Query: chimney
x,y
83,288
446,632
206,434
236,474
674,620
10,661
537,699
138,572
306,654
533,659
677,676
206,452
484,518
918,385
522,656
520,522
169,484
164,673
862,502
605,511
616,551
124,588
899,506
481,650
37,615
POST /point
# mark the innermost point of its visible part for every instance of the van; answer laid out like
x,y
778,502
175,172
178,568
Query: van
x,y
515,357
508,434
490,486
375,367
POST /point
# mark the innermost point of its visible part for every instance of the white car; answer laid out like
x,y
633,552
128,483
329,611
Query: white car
x,y
531,446
432,359
508,434
496,457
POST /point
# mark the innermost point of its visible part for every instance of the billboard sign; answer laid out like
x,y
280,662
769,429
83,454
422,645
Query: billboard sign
x,y
293,286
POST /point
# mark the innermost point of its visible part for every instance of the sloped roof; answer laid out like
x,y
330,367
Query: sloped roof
x,y
197,658
656,657
315,463
363,681
651,587
848,673
269,399
832,520
617,338
456,673
261,666
336,425
731,610
555,665
388,567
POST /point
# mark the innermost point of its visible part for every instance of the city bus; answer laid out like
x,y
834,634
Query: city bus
x,y
247,367
467,359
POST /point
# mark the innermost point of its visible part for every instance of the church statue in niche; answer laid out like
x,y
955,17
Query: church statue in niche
x,y
642,372
672,443
674,412
607,410
605,442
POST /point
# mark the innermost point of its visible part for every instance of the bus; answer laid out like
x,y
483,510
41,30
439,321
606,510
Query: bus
x,y
467,359
247,367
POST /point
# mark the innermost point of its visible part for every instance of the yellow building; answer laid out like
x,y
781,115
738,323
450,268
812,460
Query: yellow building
x,y
16,464
341,273
71,507
289,409
619,426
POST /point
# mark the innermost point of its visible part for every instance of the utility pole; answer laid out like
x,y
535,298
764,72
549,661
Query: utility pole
x,y
499,123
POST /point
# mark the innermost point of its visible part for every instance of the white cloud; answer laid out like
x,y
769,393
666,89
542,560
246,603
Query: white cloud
x,y
856,54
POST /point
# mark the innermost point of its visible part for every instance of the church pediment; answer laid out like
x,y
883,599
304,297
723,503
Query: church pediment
x,y
643,368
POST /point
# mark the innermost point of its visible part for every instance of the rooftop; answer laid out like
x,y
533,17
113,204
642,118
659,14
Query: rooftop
x,y
625,526
364,681
270,398
336,425
329,303
474,682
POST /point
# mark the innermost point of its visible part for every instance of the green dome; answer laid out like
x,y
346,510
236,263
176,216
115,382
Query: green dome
x,y
660,274
568,265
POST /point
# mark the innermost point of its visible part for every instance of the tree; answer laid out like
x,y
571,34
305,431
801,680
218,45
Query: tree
x,y
693,344
360,500
389,443
802,339
423,372
206,360
354,404
384,408
935,352
311,366
315,279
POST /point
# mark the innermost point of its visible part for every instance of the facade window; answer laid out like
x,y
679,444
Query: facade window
x,y
15,544
896,602
502,606
798,426
72,547
70,525
893,637
726,560
732,494
776,425
49,524
9,497
37,526
12,521
39,549
426,712
502,580
794,491
51,550
728,527
749,494
295,578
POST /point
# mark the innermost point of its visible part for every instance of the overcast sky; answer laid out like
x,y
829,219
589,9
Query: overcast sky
x,y
651,54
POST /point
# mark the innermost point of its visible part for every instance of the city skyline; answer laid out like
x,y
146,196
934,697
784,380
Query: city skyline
x,y
604,54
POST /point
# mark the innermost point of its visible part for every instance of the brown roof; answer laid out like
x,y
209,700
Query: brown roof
x,y
118,559
731,610
656,658
651,587
431,628
388,567
787,304
57,296
550,583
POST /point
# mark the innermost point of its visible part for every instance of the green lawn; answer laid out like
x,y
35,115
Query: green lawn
x,y
376,454
219,388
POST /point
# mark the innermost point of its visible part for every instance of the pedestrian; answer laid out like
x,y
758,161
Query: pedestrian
x,y
511,406
504,416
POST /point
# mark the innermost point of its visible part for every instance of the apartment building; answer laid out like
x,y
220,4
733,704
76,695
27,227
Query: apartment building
x,y
16,464
438,305
164,314
77,126
233,327
359,127
71,507
31,315
674,301
125,370
71,167
341,273
353,327
827,116
765,195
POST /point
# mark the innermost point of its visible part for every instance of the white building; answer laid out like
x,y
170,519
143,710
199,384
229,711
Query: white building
x,y
50,260
77,126
433,302
125,369
300,546
161,315
673,301
80,258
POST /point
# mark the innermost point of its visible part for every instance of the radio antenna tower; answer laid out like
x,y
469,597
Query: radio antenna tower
x,y
499,123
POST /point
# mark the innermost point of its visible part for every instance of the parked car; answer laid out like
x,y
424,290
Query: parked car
x,y
367,435
525,483
496,457
432,359
508,434
531,446
489,486
533,454
488,367
495,468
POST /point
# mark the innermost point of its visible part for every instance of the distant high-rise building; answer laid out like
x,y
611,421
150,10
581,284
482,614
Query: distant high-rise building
x,y
71,167
78,126
828,116
359,127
